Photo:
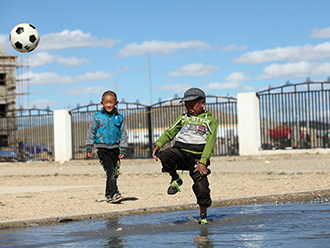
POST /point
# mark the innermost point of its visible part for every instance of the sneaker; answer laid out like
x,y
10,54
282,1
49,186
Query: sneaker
x,y
108,198
175,186
116,198
203,221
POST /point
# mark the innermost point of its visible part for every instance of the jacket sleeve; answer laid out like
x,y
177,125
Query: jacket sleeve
x,y
170,133
124,137
90,135
210,141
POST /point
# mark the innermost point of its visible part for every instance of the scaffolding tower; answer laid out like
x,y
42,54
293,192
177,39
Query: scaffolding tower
x,y
14,85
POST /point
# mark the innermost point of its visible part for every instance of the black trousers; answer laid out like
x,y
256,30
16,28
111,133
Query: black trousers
x,y
174,159
110,162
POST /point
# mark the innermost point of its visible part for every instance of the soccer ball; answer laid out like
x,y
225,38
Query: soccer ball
x,y
24,38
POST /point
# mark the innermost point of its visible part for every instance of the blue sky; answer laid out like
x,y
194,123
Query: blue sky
x,y
223,47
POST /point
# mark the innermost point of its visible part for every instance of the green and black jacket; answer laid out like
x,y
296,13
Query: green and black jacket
x,y
195,134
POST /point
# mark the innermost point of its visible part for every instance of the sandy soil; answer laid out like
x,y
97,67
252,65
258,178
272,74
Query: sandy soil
x,y
49,192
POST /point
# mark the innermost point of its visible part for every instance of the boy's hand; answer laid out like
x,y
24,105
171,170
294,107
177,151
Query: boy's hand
x,y
89,154
202,169
154,152
121,156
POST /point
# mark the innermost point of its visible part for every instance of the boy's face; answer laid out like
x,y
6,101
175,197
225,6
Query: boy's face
x,y
195,107
109,103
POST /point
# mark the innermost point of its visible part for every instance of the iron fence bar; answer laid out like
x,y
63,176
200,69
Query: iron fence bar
x,y
322,109
314,104
312,124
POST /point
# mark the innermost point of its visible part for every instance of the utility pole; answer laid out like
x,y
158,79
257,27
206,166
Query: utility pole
x,y
150,113
115,75
150,87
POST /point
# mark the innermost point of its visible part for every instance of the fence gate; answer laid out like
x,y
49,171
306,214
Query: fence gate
x,y
27,135
136,118
295,116
146,123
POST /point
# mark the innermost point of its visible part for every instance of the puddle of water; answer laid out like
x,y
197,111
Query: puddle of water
x,y
261,225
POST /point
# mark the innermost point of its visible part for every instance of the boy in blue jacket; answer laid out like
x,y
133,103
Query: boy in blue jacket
x,y
107,131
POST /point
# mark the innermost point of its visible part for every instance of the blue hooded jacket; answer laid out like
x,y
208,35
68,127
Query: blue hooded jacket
x,y
107,132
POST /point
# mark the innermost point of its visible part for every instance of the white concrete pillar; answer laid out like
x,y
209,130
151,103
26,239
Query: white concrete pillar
x,y
62,135
248,123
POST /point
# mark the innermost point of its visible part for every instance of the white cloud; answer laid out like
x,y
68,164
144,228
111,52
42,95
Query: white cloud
x,y
46,78
42,104
246,88
233,47
40,59
233,81
321,33
72,39
72,61
123,69
178,88
223,86
290,53
86,90
44,58
229,86
299,69
237,76
4,39
160,47
65,40
194,70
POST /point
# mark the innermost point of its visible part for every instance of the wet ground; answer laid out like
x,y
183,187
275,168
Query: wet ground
x,y
289,224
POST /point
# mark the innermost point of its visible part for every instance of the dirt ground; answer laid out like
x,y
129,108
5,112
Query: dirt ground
x,y
49,192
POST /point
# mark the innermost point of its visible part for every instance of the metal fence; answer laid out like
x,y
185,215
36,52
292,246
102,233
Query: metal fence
x,y
146,123
295,116
27,135
291,117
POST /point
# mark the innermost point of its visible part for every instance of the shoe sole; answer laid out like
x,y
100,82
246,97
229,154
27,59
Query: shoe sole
x,y
172,192
117,200
173,189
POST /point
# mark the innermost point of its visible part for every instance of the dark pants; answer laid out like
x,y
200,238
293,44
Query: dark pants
x,y
110,162
174,159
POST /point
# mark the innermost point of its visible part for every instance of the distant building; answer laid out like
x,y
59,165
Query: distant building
x,y
8,93
8,124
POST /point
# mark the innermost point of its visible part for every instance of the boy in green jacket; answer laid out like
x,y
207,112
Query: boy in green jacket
x,y
195,134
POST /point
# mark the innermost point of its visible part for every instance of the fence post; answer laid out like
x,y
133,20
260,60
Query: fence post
x,y
62,135
150,130
248,123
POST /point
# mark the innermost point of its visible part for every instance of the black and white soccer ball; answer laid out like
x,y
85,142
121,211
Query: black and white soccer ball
x,y
24,38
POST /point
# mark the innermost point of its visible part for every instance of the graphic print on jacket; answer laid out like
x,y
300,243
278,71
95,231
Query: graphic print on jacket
x,y
192,134
193,131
